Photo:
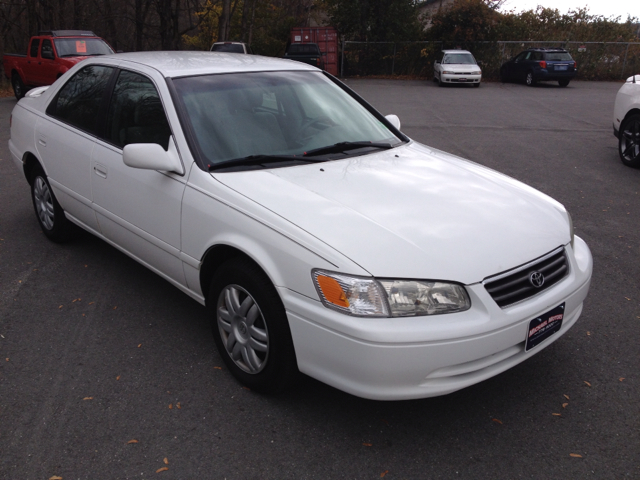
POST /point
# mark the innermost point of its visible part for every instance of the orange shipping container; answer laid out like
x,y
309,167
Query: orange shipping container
x,y
326,38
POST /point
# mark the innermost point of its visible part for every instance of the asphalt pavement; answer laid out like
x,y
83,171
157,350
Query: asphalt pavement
x,y
109,372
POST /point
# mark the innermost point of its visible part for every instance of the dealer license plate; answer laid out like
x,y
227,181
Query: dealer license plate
x,y
544,326
561,67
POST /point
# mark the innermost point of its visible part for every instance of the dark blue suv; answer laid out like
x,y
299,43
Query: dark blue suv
x,y
540,64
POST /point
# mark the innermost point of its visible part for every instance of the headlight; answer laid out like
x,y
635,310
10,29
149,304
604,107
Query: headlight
x,y
571,232
447,72
359,296
476,73
368,297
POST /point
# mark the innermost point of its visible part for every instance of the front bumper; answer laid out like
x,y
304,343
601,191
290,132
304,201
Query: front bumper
x,y
418,357
459,78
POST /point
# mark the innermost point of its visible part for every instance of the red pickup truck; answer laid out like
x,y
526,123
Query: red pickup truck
x,y
49,56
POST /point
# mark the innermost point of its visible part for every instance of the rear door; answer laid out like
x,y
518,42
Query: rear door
x,y
30,67
65,139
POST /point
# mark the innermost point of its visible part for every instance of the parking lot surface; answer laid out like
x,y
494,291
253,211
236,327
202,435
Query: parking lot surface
x,y
107,371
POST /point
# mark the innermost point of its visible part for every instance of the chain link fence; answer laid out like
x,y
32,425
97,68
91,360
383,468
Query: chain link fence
x,y
596,60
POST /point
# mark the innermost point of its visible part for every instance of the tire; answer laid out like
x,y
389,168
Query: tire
x,y
563,83
19,89
629,141
250,327
530,80
49,213
440,83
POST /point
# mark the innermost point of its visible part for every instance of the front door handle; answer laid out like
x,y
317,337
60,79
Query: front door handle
x,y
100,170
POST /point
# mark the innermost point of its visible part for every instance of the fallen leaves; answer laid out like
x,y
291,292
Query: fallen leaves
x,y
139,345
218,368
55,477
575,455
166,461
87,398
118,377
621,378
496,420
587,383
367,444
163,469
627,298
384,473
564,405
7,359
556,414
132,441
178,405
567,397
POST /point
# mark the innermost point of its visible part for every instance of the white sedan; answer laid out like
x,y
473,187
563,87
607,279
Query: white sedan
x,y
321,239
456,66
626,121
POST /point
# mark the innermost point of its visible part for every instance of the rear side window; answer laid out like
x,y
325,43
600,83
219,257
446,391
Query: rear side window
x,y
558,56
78,102
33,51
136,114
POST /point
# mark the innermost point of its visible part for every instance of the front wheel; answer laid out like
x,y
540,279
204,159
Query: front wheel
x,y
563,83
629,141
49,213
530,80
19,88
250,327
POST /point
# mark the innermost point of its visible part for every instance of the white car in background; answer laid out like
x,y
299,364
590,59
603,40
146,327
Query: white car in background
x,y
319,236
456,66
626,121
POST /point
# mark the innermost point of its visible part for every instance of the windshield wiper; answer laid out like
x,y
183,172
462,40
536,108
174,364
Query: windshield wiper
x,y
346,146
261,160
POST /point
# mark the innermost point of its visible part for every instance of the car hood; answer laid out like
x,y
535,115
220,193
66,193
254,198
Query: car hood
x,y
456,67
413,212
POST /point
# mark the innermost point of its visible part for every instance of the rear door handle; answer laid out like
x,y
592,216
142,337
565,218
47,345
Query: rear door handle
x,y
100,170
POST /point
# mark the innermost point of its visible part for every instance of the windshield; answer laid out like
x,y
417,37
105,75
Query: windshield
x,y
80,47
273,113
227,47
459,58
558,56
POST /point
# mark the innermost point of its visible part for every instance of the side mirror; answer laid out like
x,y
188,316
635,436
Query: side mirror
x,y
151,156
393,120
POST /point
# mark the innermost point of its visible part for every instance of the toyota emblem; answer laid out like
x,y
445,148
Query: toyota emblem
x,y
536,279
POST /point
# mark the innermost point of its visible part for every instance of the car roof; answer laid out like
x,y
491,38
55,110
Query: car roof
x,y
456,51
227,43
183,64
540,49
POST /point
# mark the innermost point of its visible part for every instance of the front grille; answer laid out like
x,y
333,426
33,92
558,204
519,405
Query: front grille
x,y
515,285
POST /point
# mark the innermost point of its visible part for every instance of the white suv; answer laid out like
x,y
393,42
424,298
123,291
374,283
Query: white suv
x,y
456,66
626,121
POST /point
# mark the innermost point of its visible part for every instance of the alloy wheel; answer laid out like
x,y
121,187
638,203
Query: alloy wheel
x,y
44,203
630,141
243,329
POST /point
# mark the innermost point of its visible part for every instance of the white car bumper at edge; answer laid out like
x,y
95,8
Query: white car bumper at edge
x,y
418,357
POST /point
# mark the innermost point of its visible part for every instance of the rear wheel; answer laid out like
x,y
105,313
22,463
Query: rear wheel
x,y
250,327
629,141
564,82
19,88
49,213
530,80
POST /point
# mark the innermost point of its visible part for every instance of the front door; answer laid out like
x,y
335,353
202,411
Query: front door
x,y
138,210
